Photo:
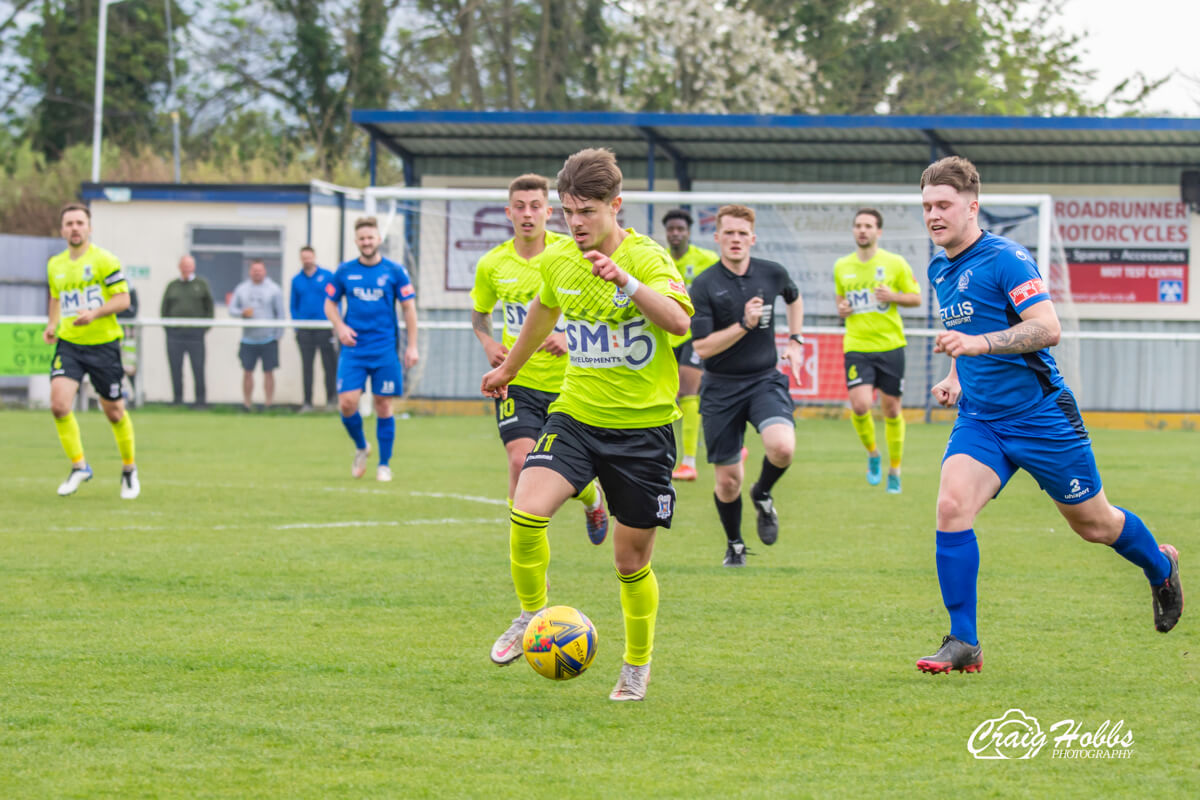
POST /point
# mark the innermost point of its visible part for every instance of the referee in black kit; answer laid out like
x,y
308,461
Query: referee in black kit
x,y
733,332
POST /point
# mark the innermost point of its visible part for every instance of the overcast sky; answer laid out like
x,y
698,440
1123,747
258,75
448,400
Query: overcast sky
x,y
1157,37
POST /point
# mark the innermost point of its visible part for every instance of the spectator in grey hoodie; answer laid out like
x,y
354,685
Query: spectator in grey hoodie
x,y
258,298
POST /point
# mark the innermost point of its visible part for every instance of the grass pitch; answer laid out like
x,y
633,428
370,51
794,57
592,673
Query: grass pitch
x,y
258,624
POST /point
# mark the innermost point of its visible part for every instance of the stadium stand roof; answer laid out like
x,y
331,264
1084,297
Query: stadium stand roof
x,y
809,149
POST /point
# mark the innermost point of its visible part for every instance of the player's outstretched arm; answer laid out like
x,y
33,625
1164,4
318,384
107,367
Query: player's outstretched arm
x,y
54,312
721,340
1039,327
947,390
886,295
481,324
795,351
411,352
345,334
661,310
113,305
539,323
844,308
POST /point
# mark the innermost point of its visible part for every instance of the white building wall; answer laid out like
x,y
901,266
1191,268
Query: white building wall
x,y
149,237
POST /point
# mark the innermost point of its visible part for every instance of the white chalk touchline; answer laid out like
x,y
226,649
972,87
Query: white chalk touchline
x,y
370,523
358,523
473,498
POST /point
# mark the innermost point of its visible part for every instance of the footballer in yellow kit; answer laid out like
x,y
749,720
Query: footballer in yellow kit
x,y
87,288
508,275
871,284
620,298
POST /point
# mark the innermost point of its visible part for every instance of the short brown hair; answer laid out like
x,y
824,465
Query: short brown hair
x,y
529,182
308,248
737,212
591,174
366,222
871,212
953,171
73,206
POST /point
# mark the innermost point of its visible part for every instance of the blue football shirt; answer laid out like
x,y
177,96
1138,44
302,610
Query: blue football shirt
x,y
371,295
982,290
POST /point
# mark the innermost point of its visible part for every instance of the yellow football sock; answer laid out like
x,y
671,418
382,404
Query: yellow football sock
x,y
529,552
690,433
864,426
589,495
123,433
893,431
639,606
68,434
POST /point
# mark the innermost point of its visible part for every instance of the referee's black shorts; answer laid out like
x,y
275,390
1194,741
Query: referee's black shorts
x,y
633,465
100,362
727,403
883,370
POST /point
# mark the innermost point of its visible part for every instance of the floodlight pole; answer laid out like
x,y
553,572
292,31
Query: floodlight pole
x,y
174,97
101,37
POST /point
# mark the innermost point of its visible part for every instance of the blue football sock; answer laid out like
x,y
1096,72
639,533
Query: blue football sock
x,y
958,571
385,432
1137,544
354,427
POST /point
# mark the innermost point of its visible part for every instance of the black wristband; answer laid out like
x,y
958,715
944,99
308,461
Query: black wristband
x,y
798,338
745,327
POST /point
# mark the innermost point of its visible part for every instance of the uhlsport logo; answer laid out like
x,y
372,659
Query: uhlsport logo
x,y
1018,736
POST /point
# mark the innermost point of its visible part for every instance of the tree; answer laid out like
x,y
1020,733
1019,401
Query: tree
x,y
15,93
936,56
136,74
699,56
313,60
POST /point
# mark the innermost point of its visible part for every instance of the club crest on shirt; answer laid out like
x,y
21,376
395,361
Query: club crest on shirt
x,y
87,272
879,273
620,299
964,281
381,280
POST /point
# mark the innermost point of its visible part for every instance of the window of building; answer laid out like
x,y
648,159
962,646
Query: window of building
x,y
223,255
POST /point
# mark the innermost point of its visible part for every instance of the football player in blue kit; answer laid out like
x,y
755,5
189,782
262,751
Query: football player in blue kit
x,y
372,285
1014,412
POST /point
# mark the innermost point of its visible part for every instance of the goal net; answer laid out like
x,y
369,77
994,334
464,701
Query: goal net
x,y
441,233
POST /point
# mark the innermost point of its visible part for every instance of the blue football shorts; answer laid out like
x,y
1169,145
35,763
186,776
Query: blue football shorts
x,y
387,378
1049,442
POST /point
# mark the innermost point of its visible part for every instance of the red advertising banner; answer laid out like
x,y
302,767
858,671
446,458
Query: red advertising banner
x,y
1125,250
821,378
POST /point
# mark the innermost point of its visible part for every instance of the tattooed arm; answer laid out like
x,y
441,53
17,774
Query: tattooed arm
x,y
1039,327
482,325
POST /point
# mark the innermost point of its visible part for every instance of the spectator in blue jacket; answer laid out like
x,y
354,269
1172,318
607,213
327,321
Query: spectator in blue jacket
x,y
308,302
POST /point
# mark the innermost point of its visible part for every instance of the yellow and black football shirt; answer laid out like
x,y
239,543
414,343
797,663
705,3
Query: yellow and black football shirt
x,y
873,327
622,373
86,283
502,276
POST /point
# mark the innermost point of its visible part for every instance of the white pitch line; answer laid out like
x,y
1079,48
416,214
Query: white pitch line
x,y
491,501
362,523
473,498
370,523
